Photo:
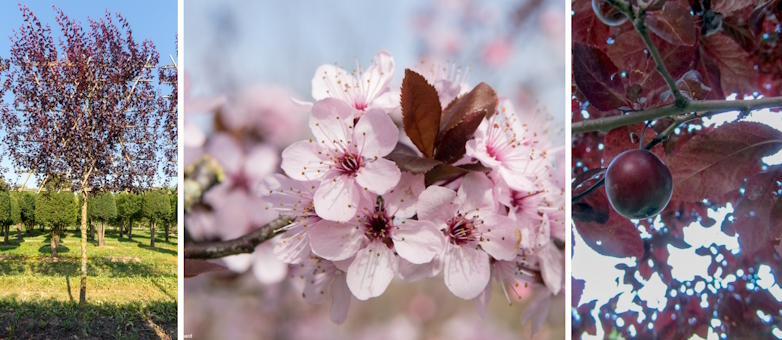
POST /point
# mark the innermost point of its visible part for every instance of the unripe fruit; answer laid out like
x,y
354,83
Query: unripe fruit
x,y
638,184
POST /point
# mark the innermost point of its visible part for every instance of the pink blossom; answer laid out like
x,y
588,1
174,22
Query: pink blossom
x,y
474,231
497,52
293,199
380,234
362,89
506,145
315,275
266,112
345,157
537,310
192,135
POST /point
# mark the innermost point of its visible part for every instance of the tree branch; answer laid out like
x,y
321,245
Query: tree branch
x,y
713,106
243,245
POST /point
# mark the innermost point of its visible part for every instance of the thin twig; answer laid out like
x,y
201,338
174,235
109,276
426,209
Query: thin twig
x,y
713,106
243,245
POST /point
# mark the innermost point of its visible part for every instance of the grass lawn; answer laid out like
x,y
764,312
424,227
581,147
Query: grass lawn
x,y
131,288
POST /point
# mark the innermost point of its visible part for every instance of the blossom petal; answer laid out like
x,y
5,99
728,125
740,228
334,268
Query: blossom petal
x,y
379,75
467,270
404,197
481,302
417,241
500,237
437,204
294,245
516,180
192,135
306,106
378,176
334,241
538,310
329,81
227,151
476,193
372,271
340,299
376,134
412,272
261,161
302,161
266,267
387,101
337,198
331,121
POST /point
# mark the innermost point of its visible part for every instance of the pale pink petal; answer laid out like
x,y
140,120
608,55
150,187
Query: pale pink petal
x,y
387,101
516,180
447,90
343,265
467,270
286,196
334,241
552,263
412,272
239,263
418,241
267,268
476,193
481,302
372,271
337,198
316,278
537,309
329,81
330,122
376,134
379,75
260,161
378,176
307,106
192,135
302,161
226,151
294,245
401,201
476,148
340,299
201,224
437,204
500,237
195,105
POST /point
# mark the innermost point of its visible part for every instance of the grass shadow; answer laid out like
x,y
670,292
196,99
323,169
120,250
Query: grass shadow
x,y
157,249
51,319
48,249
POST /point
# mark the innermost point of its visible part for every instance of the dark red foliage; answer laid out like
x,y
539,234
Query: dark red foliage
x,y
725,47
85,106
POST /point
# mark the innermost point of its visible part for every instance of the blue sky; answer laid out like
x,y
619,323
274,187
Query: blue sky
x,y
155,20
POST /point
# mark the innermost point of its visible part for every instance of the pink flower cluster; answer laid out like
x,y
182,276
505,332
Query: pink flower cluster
x,y
357,221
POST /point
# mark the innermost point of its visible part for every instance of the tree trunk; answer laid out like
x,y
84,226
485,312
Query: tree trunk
x,y
5,230
92,231
121,228
130,230
166,227
83,284
152,234
19,231
55,241
102,236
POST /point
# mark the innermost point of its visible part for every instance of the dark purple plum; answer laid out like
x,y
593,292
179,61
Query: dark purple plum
x,y
638,184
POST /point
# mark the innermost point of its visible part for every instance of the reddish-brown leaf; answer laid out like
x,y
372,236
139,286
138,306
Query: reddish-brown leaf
x,y
754,215
481,98
758,15
713,164
412,163
195,267
577,287
728,6
587,28
737,73
452,146
598,78
420,112
674,24
617,237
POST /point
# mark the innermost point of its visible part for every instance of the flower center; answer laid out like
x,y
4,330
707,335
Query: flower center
x,y
461,230
349,163
378,226
518,198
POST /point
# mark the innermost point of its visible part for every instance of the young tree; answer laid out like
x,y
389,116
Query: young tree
x,y
645,75
27,209
54,209
5,211
102,208
128,210
16,214
171,218
85,107
156,208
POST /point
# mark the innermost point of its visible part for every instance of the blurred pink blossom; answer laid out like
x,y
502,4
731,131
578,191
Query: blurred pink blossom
x,y
265,112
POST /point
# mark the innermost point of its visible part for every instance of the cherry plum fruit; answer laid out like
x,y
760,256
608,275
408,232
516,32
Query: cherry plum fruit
x,y
638,184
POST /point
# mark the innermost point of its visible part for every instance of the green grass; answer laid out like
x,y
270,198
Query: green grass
x,y
131,288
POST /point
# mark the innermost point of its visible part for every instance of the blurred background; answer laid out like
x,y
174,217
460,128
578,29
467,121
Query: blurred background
x,y
244,60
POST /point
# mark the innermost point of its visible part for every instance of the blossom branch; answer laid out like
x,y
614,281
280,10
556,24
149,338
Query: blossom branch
x,y
243,245
713,106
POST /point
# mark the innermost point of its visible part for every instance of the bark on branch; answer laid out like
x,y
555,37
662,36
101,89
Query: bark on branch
x,y
713,106
243,245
